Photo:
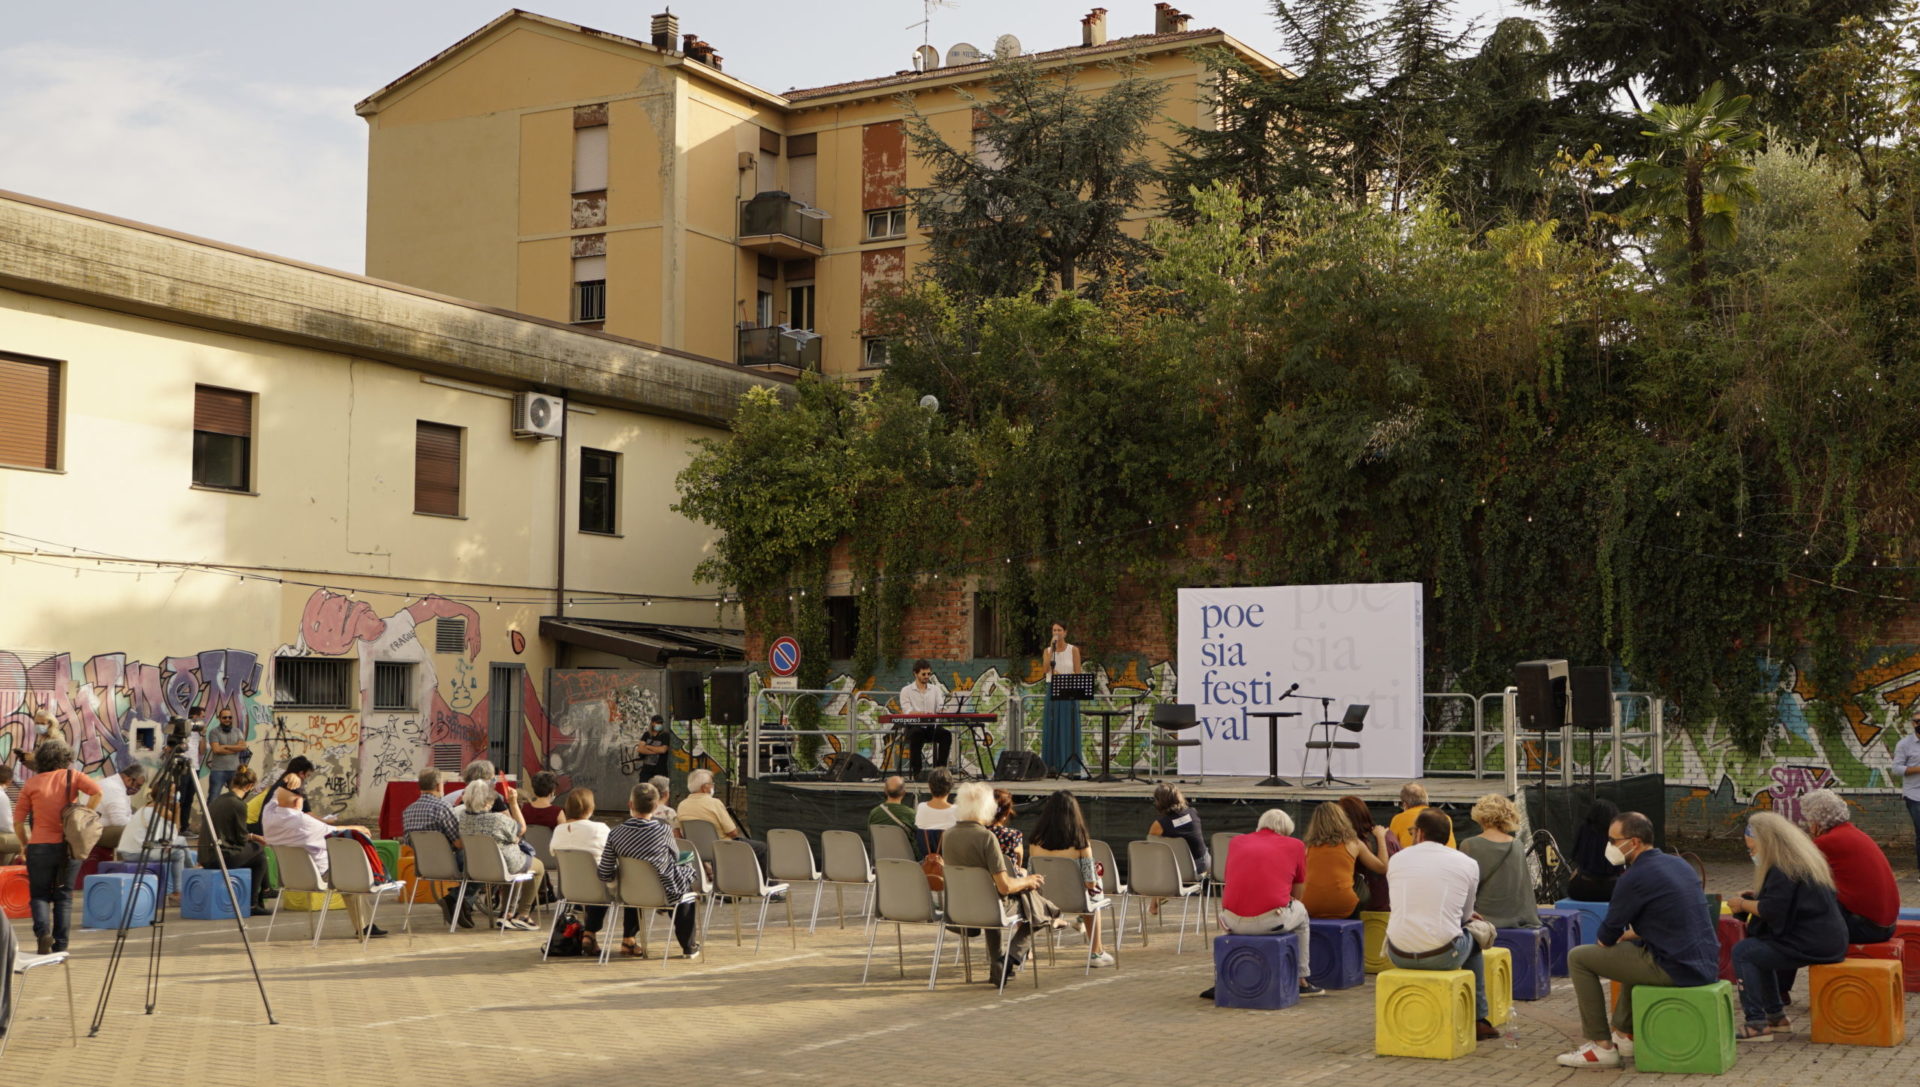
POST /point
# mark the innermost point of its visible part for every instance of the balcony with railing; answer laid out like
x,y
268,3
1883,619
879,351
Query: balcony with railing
x,y
776,224
794,349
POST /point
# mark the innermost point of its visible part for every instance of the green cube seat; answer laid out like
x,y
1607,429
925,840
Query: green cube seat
x,y
1684,1029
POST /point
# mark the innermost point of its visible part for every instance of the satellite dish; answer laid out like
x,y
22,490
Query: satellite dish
x,y
964,53
930,402
926,58
1006,45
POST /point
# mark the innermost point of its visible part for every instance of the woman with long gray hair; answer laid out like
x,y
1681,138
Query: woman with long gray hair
x,y
1794,921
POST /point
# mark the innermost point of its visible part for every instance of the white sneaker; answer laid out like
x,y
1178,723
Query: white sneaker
x,y
1105,958
1622,1044
1590,1055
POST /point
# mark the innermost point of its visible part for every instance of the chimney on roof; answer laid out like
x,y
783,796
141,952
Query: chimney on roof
x,y
666,27
1168,19
1093,27
689,42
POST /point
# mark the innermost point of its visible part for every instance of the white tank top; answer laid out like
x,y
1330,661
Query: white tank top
x,y
1063,662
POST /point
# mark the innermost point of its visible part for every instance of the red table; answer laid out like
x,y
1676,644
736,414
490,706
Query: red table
x,y
402,793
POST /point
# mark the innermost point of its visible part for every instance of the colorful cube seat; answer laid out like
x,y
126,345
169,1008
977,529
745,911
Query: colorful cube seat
x,y
1683,1029
1338,959
1595,912
1423,1013
158,869
1909,932
1374,937
1256,971
1857,1002
202,898
1532,960
1899,948
388,850
16,894
1498,967
103,900
1730,930
1564,928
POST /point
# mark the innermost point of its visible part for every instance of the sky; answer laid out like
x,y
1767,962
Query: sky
x,y
234,120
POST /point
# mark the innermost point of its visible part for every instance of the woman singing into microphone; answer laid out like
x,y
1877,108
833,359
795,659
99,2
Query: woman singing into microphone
x,y
1060,729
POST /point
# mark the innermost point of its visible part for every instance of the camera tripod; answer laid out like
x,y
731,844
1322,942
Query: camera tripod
x,y
176,773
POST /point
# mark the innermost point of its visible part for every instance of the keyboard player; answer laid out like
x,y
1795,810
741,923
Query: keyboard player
x,y
925,695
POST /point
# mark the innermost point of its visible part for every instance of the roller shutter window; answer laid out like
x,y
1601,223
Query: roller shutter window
x,y
222,438
436,469
29,412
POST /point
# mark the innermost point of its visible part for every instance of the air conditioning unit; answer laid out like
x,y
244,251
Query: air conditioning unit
x,y
538,415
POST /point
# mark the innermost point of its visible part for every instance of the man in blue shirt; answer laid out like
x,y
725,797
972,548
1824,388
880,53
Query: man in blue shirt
x,y
1906,769
1656,933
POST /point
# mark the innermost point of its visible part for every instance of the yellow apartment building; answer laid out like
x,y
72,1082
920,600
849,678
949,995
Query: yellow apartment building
x,y
387,527
637,186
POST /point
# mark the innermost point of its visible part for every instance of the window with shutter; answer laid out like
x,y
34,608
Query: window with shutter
x,y
599,491
29,412
222,438
436,469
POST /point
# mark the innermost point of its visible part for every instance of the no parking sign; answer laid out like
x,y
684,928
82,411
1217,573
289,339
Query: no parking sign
x,y
783,658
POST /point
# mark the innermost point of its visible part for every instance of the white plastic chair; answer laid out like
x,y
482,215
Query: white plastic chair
x,y
541,839
790,860
580,886
297,873
23,962
350,874
487,866
1218,843
434,861
974,902
641,888
847,866
1067,889
902,897
1112,886
702,834
891,842
736,874
1153,869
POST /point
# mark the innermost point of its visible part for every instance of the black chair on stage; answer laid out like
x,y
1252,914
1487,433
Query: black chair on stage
x,y
1353,720
1170,721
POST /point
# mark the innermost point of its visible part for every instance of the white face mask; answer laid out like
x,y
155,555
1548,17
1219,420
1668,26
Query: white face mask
x,y
1614,856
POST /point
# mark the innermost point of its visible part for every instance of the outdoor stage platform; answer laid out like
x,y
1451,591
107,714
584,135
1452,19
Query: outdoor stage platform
x,y
1121,811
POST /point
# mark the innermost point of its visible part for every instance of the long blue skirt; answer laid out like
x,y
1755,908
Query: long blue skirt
x,y
1060,737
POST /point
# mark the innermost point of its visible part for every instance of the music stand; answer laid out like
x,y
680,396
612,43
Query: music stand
x,y
1273,744
1353,720
1071,687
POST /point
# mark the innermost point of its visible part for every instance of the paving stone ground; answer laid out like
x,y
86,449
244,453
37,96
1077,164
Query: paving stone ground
x,y
482,1007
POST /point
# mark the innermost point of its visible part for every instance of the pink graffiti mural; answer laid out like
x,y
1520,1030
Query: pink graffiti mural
x,y
1790,783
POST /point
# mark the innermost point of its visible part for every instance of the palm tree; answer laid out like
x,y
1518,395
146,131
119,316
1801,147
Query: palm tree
x,y
1697,173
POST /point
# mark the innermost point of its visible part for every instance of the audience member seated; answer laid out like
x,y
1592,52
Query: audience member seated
x,y
1062,832
701,804
650,840
506,828
543,810
1371,887
1413,801
934,815
1795,921
228,838
581,832
1174,818
664,812
37,823
1862,878
1434,889
116,811
479,770
969,844
158,820
1593,875
1012,842
1266,872
893,808
285,825
431,812
1505,897
1657,932
1334,851
298,769
10,845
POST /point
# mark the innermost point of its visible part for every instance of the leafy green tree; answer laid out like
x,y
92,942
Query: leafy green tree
x,y
1040,195
1696,174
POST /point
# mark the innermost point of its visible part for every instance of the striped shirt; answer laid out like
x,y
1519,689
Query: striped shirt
x,y
649,840
431,813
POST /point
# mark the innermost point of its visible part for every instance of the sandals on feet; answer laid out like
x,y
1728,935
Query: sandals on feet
x,y
1754,1032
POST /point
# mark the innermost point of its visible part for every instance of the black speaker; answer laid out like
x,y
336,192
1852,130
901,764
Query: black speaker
x,y
1592,687
1542,694
686,693
730,696
1019,766
851,766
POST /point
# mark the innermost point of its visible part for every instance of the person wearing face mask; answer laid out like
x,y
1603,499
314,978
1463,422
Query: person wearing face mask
x,y
1656,933
1796,921
1906,770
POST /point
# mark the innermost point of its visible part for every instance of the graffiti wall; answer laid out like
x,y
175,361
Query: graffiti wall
x,y
601,713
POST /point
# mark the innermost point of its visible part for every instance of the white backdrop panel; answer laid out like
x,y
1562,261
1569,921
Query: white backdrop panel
x,y
1240,649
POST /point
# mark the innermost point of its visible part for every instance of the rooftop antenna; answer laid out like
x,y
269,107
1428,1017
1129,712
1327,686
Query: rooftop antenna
x,y
926,24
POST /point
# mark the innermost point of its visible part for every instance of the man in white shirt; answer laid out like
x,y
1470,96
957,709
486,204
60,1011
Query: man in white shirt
x,y
1906,771
116,811
1432,889
925,695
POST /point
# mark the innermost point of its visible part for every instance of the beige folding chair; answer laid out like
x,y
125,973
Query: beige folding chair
x,y
297,873
1067,889
1218,843
487,866
580,886
23,962
434,861
541,839
641,888
847,866
890,842
702,834
736,874
974,902
790,860
1189,869
1153,870
902,897
350,874
1112,886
